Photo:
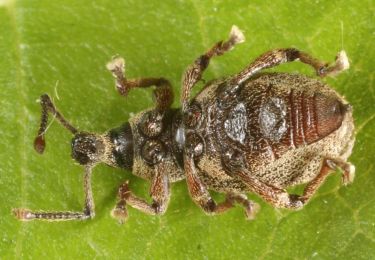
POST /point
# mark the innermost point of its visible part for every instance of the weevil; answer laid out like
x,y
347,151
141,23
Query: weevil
x,y
253,132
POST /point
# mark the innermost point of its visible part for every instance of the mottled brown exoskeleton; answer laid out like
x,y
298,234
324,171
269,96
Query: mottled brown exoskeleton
x,y
251,132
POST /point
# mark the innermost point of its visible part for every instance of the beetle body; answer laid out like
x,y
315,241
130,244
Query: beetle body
x,y
251,132
281,125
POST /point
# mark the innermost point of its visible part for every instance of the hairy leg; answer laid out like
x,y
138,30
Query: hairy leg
x,y
159,192
195,71
163,93
200,195
87,213
279,56
327,167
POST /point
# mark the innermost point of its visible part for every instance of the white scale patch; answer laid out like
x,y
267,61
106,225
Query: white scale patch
x,y
180,137
272,120
236,123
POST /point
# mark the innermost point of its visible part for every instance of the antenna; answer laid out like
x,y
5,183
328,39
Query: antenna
x,y
49,107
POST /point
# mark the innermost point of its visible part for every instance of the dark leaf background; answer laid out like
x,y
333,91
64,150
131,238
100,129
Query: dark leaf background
x,y
61,48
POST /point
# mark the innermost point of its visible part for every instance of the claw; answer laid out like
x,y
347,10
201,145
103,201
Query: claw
x,y
348,175
120,212
236,35
341,64
22,214
121,215
117,63
342,61
252,210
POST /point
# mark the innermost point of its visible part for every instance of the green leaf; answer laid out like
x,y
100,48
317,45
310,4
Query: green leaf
x,y
61,48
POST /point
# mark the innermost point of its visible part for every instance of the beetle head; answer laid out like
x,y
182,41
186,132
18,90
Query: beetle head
x,y
87,148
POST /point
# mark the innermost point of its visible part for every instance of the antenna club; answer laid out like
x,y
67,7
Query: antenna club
x,y
39,144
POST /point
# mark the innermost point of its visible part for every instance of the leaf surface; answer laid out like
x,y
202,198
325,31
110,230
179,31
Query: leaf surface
x,y
61,48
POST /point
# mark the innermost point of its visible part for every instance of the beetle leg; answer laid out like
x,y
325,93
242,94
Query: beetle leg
x,y
279,198
88,212
194,72
159,192
163,92
278,56
327,167
202,197
120,212
313,185
197,189
251,208
347,168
